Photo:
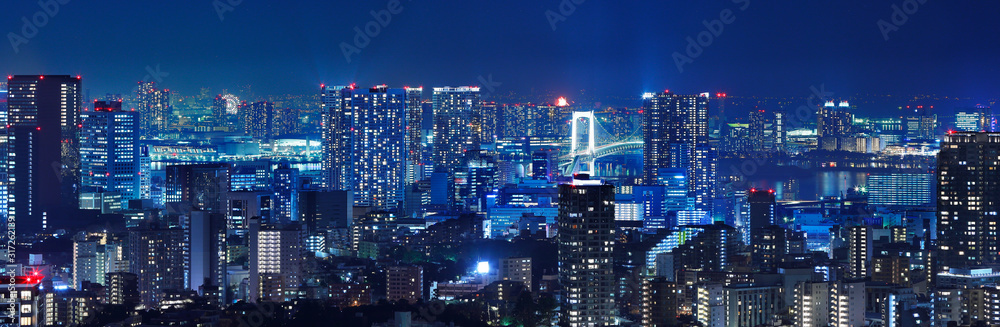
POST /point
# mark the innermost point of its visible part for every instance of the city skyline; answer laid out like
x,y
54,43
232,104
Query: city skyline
x,y
470,45
525,164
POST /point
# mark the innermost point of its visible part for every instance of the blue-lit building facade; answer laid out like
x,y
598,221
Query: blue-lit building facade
x,y
109,150
364,149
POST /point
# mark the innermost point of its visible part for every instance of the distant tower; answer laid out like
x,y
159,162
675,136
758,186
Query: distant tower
x,y
586,241
154,109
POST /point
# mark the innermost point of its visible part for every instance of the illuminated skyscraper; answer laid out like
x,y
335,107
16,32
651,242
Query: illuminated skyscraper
x,y
487,122
675,130
286,194
3,152
453,135
109,151
276,262
365,138
219,111
414,120
586,241
859,247
257,118
43,163
154,109
158,257
968,201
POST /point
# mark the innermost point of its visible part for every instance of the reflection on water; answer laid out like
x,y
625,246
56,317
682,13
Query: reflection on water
x,y
812,186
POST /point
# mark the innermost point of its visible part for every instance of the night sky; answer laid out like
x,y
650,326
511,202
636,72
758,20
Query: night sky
x,y
609,48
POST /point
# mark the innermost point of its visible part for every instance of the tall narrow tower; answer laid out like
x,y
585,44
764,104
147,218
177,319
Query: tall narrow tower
x,y
586,243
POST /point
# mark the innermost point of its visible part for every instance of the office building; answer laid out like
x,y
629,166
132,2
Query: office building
x,y
586,242
762,215
968,202
203,187
901,189
364,149
286,194
43,114
207,260
109,151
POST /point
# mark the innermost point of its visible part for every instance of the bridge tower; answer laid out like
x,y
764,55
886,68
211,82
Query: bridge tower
x,y
586,155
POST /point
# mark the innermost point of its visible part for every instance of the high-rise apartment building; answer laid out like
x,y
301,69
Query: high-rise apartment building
x,y
414,121
405,283
675,130
968,200
364,149
159,257
257,118
276,261
453,134
43,114
859,248
154,109
586,242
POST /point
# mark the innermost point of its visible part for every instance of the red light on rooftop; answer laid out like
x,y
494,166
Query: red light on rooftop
x,y
38,128
770,191
77,76
41,77
753,189
561,102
